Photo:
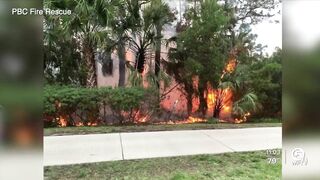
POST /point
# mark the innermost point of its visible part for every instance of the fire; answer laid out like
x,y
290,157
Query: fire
x,y
244,119
141,120
224,96
92,124
227,109
231,66
79,124
195,120
175,102
63,122
140,117
189,120
211,99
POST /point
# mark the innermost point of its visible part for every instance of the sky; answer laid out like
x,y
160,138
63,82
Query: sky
x,y
269,34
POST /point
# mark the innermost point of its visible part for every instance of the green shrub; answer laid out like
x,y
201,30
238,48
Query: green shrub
x,y
84,104
125,99
213,121
125,103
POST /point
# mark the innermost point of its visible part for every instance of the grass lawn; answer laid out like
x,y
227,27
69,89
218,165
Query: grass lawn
x,y
245,165
146,128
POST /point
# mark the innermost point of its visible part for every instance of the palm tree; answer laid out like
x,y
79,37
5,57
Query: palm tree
x,y
244,99
159,14
140,34
87,24
127,21
140,42
243,106
119,32
234,78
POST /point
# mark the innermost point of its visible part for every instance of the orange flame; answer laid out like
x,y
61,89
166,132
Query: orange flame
x,y
231,66
189,120
175,102
243,119
79,124
62,121
141,120
211,99
92,124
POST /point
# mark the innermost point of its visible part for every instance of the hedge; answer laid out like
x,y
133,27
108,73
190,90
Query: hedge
x,y
86,106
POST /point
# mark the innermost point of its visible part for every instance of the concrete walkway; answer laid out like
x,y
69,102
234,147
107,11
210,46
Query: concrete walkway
x,y
65,150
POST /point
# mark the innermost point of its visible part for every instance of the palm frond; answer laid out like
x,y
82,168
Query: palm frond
x,y
135,79
248,103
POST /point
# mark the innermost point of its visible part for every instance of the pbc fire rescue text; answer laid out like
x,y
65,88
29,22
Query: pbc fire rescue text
x,y
35,11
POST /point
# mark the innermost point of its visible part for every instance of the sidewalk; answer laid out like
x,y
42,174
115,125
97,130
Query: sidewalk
x,y
66,150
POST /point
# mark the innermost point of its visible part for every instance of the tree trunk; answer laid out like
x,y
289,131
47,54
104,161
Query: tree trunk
x,y
203,106
88,53
158,53
189,104
216,112
157,61
107,65
218,106
122,64
140,61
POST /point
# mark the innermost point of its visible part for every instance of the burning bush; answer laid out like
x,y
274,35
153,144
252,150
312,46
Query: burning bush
x,y
70,106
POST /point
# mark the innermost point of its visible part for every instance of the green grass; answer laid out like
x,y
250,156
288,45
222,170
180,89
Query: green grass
x,y
147,128
245,165
265,120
